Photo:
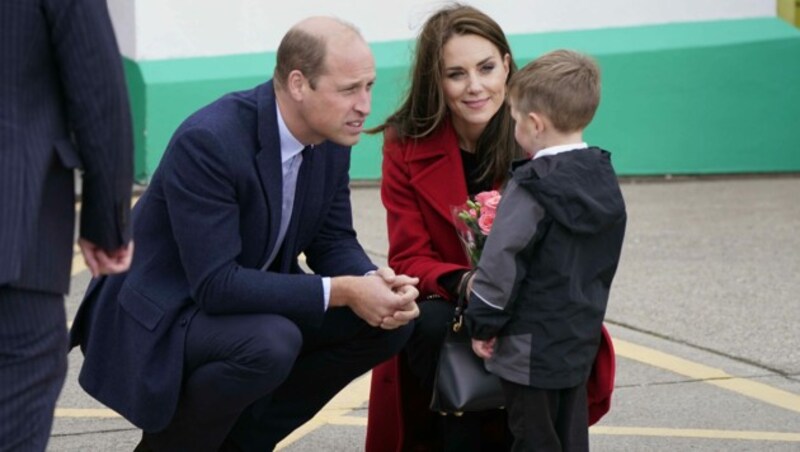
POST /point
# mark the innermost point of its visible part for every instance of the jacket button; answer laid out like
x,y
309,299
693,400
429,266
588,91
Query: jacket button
x,y
184,322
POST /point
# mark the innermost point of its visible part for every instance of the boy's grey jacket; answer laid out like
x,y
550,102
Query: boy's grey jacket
x,y
542,283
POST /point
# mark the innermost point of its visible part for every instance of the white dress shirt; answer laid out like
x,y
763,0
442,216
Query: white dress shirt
x,y
553,150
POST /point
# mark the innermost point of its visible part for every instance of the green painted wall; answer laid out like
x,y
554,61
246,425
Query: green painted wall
x,y
692,98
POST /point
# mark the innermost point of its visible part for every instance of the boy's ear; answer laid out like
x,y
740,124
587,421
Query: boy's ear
x,y
538,121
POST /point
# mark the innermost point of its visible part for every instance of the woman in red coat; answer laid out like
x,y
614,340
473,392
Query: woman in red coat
x,y
453,137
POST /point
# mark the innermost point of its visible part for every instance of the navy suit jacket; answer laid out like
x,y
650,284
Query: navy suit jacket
x,y
63,105
203,230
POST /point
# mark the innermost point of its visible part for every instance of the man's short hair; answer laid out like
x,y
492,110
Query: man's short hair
x,y
563,85
305,51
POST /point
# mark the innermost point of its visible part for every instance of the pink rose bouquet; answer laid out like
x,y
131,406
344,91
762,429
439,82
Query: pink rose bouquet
x,y
474,220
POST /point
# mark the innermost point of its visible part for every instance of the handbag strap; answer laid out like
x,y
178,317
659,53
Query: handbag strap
x,y
461,301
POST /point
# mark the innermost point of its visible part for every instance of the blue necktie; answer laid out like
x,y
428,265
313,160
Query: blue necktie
x,y
290,170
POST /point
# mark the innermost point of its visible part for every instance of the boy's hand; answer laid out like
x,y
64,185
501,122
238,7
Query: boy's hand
x,y
484,349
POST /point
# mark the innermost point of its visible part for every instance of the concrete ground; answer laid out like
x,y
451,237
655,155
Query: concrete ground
x,y
704,312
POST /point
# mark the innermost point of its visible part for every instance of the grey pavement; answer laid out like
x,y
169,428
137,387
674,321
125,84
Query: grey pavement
x,y
704,311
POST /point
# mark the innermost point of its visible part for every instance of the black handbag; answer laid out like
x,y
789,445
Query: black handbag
x,y
462,382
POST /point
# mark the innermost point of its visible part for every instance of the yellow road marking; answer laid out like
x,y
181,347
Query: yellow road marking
x,y
646,431
86,413
78,264
695,433
710,375
351,397
349,420
339,417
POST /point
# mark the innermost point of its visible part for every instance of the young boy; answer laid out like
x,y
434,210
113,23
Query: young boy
x,y
540,290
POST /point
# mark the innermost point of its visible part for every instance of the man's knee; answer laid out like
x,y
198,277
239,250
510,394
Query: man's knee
x,y
272,349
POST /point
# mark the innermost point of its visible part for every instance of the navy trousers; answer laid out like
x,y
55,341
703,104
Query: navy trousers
x,y
267,373
33,364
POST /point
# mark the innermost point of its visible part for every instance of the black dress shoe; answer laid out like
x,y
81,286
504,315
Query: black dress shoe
x,y
229,446
143,446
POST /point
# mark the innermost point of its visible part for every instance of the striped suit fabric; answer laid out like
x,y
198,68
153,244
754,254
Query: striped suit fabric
x,y
63,107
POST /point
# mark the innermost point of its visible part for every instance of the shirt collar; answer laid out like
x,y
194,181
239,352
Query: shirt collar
x,y
553,150
290,146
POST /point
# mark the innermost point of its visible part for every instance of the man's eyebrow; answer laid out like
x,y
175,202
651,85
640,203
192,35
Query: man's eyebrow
x,y
356,84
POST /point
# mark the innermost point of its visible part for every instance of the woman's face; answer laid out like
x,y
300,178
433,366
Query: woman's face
x,y
474,83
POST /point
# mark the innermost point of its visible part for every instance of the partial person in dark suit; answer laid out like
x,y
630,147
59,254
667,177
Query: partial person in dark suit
x,y
216,321
63,106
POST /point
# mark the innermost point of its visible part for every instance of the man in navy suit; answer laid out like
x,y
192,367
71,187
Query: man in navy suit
x,y
63,106
215,322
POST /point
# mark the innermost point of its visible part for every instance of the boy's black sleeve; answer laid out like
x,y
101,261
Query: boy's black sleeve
x,y
502,268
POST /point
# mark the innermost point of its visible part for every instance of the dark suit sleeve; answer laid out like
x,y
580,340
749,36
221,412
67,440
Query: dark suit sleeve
x,y
335,250
91,72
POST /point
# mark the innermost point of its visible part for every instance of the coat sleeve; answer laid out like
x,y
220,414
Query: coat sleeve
x,y
503,265
411,245
90,67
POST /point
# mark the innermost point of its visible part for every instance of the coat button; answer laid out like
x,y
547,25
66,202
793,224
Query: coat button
x,y
184,322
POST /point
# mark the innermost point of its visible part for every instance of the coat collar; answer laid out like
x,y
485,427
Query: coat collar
x,y
443,142
437,170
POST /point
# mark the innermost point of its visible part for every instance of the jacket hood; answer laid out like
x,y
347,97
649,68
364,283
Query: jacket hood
x,y
578,188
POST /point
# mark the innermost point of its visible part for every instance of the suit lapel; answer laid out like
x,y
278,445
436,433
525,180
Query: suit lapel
x,y
268,162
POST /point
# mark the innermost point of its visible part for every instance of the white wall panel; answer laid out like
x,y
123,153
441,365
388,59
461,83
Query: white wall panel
x,y
161,29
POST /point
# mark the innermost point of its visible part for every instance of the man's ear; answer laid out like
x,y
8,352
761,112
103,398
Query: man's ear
x,y
296,84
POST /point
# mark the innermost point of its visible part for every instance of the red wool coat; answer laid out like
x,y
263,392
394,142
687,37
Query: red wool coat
x,y
422,181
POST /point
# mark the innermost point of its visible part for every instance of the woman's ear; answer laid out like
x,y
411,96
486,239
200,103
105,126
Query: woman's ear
x,y
507,64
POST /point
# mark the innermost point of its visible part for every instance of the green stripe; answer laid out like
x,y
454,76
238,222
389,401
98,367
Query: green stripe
x,y
689,98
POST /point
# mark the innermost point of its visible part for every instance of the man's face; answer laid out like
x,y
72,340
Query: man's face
x,y
336,108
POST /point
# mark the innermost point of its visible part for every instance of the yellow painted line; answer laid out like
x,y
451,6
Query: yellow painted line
x,y
86,413
694,433
338,417
710,375
78,264
349,420
351,397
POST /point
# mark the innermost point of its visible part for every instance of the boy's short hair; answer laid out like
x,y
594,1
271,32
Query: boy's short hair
x,y
563,85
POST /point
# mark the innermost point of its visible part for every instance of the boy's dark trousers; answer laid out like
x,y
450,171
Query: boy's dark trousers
x,y
547,420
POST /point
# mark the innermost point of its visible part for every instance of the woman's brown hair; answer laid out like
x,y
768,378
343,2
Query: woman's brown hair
x,y
424,108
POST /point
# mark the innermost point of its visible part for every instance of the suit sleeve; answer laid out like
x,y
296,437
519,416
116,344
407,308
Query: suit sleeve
x,y
91,72
502,266
411,248
335,250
